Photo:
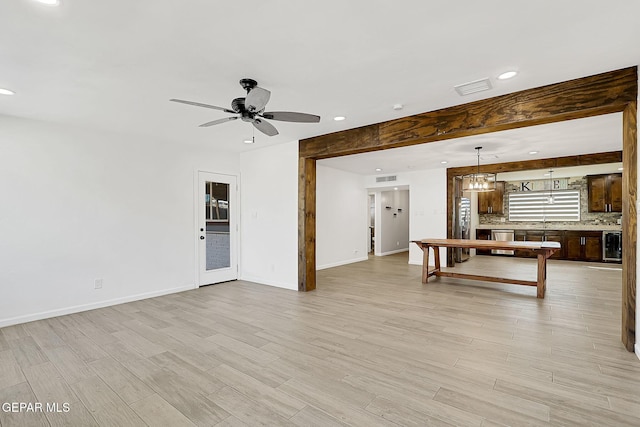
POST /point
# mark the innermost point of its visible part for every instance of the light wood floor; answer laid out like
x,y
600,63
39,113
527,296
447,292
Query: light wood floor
x,y
372,346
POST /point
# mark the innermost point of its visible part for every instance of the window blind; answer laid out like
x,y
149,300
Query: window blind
x,y
537,206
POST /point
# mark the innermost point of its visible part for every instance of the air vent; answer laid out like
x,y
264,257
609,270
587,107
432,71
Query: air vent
x,y
473,87
386,178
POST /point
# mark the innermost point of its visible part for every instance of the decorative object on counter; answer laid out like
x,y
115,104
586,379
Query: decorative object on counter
x,y
479,182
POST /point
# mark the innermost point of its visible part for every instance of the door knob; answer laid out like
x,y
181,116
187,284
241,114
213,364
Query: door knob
x,y
201,237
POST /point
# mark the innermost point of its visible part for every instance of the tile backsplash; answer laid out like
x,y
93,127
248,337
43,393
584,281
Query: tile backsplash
x,y
586,217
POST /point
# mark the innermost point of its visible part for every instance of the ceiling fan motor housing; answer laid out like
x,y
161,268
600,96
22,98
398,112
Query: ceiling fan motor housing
x,y
239,107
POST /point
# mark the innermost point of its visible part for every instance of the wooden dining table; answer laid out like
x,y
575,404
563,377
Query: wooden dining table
x,y
543,251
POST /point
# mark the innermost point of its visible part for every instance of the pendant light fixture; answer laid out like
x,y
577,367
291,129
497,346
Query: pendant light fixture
x,y
550,198
479,182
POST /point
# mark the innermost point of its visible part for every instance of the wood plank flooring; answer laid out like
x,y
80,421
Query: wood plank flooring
x,y
371,346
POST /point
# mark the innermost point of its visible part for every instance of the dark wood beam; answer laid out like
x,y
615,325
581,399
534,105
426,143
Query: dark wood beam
x,y
629,223
556,162
307,225
585,97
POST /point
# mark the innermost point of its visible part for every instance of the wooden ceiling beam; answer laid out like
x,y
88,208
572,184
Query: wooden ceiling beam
x,y
585,97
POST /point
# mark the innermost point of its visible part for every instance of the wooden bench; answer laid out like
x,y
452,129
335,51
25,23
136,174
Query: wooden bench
x,y
543,250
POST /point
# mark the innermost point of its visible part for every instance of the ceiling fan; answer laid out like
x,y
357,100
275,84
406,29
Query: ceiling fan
x,y
251,109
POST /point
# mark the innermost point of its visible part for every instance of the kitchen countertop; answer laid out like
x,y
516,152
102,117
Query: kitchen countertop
x,y
538,226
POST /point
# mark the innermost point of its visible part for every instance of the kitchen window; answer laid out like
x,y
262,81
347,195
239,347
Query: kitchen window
x,y
544,206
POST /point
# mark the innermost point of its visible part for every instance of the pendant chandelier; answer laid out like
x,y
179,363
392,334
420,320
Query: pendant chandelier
x,y
479,182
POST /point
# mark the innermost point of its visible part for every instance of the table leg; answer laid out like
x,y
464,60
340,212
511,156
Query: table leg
x,y
436,254
425,264
542,273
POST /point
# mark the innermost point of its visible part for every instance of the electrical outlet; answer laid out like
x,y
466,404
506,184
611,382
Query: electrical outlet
x,y
97,284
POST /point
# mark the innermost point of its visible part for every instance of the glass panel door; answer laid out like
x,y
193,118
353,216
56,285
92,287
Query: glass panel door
x,y
217,228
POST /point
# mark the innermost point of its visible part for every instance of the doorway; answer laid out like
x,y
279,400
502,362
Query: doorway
x,y
372,224
217,228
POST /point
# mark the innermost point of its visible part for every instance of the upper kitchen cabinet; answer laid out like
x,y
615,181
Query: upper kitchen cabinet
x,y
605,192
492,202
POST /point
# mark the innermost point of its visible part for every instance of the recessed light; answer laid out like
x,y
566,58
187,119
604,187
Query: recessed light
x,y
49,2
378,170
248,141
533,152
339,118
507,75
398,107
444,162
6,92
620,169
395,188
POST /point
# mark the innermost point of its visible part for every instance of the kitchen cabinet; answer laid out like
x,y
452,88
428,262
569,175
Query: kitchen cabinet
x,y
529,236
556,236
492,202
583,245
483,234
605,192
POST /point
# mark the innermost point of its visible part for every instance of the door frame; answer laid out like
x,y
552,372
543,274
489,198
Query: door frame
x,y
234,217
610,92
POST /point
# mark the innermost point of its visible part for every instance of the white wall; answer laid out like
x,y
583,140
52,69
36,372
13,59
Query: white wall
x,y
394,222
428,207
342,218
269,211
79,205
428,199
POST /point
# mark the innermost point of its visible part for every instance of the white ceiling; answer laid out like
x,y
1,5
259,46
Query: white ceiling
x,y
113,65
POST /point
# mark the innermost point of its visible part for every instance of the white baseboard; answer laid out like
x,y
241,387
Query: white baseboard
x,y
339,263
85,307
393,252
262,281
637,348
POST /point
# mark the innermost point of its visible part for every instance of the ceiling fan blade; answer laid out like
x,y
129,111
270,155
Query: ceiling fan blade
x,y
256,99
265,127
290,116
198,104
217,122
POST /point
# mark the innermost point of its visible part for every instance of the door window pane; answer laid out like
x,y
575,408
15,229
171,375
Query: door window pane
x,y
218,240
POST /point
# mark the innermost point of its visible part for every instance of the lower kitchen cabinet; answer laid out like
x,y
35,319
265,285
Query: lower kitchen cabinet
x,y
556,236
529,236
483,234
583,245
575,245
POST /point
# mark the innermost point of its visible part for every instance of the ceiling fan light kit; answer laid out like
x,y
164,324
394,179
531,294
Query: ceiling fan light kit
x,y
251,109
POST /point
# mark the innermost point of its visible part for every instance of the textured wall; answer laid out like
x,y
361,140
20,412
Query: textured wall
x,y
586,218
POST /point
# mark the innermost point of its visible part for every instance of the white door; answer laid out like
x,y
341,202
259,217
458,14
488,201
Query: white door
x,y
217,232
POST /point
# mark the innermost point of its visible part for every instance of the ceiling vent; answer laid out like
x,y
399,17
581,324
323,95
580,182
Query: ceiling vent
x,y
386,178
473,87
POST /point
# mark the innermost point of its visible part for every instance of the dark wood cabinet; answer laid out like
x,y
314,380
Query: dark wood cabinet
x,y
583,245
521,236
483,234
492,202
539,236
575,245
605,192
556,236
